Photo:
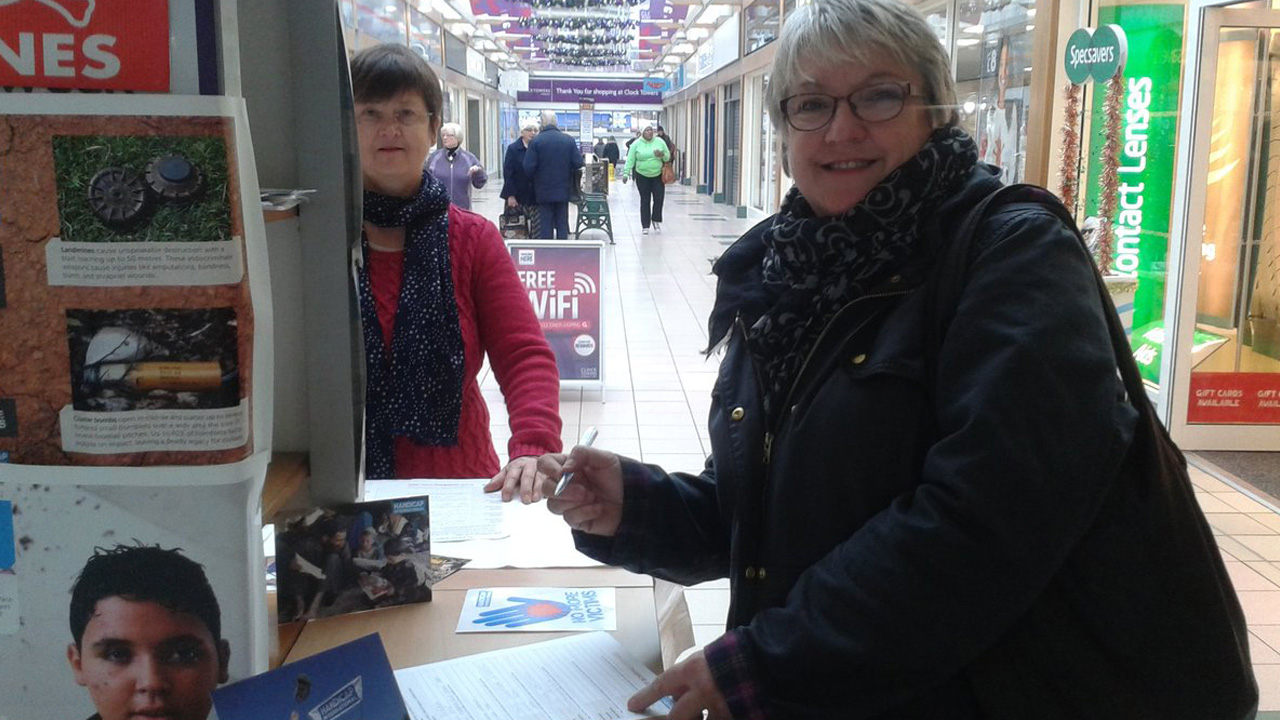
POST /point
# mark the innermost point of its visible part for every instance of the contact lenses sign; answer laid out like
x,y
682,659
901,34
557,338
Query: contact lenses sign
x,y
1149,44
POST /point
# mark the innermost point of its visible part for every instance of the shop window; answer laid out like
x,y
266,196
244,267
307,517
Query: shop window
x,y
760,25
993,50
938,15
424,38
381,21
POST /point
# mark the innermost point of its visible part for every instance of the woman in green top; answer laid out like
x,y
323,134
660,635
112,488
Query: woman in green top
x,y
645,157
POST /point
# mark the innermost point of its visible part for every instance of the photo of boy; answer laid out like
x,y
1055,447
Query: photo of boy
x,y
147,635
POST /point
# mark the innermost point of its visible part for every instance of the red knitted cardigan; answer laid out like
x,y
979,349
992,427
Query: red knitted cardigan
x,y
496,317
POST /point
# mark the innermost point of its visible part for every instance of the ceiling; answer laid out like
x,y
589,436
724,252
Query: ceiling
x,y
620,37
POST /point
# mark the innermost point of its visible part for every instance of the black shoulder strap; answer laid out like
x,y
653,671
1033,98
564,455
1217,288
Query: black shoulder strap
x,y
951,268
943,289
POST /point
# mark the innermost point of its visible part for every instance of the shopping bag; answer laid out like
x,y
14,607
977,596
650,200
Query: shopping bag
x,y
513,223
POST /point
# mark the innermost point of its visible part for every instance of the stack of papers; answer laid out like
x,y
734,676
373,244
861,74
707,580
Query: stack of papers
x,y
581,677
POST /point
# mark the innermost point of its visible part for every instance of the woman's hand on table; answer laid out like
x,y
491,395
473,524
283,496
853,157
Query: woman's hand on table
x,y
592,501
693,688
520,476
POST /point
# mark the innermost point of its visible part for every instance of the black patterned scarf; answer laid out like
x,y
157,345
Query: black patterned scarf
x,y
417,392
813,266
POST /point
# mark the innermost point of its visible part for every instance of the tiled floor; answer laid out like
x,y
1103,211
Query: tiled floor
x,y
658,292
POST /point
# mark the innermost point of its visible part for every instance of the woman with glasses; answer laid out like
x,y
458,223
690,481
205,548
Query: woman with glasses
x,y
438,291
909,525
458,169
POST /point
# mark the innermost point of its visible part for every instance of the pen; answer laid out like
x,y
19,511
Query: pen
x,y
588,438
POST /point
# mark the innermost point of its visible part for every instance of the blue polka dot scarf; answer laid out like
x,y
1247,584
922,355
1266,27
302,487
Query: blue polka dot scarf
x,y
417,392
816,265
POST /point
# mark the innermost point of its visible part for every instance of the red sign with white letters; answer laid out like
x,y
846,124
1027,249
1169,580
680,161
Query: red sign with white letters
x,y
1234,399
85,44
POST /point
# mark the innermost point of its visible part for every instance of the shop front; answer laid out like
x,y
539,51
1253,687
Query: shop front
x,y
1223,356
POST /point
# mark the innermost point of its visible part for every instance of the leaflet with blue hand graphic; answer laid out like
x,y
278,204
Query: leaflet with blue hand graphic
x,y
538,609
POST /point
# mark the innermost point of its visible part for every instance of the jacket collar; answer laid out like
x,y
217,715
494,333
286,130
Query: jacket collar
x,y
740,292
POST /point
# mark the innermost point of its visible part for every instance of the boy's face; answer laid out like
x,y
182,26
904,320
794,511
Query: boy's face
x,y
141,660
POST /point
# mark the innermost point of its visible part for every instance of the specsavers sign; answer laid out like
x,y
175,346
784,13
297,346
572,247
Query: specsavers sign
x,y
85,44
1147,145
1095,55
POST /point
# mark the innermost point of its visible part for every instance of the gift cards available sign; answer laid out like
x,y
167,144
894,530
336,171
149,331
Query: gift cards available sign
x,y
85,44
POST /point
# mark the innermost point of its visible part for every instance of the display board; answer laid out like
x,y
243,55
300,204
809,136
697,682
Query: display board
x,y
135,386
129,319
563,280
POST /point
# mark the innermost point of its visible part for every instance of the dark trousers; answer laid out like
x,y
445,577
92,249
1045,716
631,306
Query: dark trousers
x,y
553,221
651,190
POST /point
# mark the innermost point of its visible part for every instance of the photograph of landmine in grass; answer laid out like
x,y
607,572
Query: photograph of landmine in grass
x,y
142,188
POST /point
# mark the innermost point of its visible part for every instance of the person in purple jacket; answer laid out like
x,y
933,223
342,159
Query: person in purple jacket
x,y
458,169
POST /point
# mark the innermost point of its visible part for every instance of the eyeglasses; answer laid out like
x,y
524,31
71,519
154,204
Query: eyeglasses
x,y
877,103
373,117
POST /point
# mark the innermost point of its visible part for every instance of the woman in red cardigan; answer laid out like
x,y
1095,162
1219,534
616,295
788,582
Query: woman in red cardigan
x,y
437,292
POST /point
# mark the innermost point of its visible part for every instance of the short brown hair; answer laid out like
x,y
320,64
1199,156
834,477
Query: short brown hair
x,y
383,71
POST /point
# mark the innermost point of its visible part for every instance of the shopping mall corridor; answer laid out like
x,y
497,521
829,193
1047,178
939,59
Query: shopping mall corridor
x,y
658,291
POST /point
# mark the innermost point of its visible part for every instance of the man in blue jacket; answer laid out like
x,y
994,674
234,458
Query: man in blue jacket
x,y
550,160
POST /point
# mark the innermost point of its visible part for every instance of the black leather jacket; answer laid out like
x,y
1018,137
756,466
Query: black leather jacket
x,y
885,533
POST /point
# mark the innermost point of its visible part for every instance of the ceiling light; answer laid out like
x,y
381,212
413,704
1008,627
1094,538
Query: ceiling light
x,y
975,29
967,42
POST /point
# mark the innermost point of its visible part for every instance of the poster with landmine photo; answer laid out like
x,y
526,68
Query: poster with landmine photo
x,y
134,281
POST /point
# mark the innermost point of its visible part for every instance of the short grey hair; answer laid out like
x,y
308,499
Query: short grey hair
x,y
548,118
839,32
453,129
531,125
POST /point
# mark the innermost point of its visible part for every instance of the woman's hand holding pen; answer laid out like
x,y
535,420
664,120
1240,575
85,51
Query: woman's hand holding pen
x,y
591,503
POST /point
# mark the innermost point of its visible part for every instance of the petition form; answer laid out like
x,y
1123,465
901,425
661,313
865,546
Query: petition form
x,y
582,677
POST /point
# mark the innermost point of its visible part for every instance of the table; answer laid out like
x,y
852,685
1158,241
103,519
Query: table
x,y
421,633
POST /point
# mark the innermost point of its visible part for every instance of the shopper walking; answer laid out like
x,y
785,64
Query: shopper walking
x,y
612,154
517,187
458,169
550,161
645,158
671,144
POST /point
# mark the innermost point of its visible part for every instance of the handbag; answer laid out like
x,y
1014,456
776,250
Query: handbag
x,y
513,223
1142,620
668,173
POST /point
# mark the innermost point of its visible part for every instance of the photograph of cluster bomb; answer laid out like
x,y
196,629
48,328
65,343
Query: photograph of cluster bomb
x,y
153,359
